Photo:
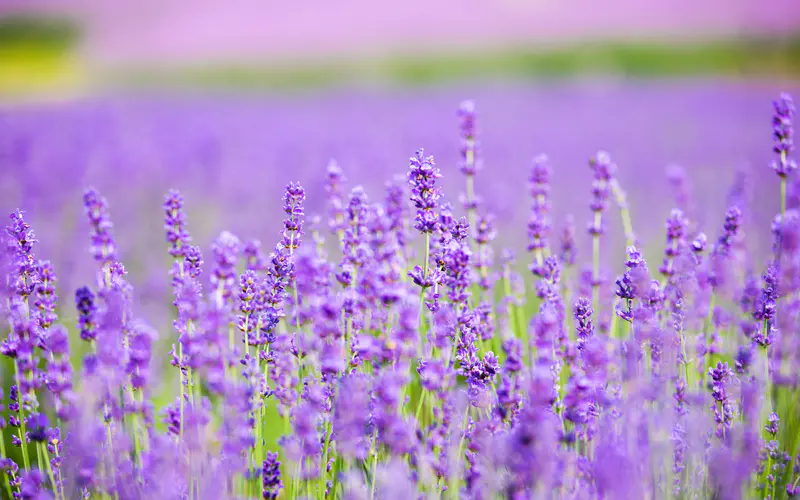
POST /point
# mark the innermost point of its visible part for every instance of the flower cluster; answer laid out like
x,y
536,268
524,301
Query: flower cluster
x,y
392,366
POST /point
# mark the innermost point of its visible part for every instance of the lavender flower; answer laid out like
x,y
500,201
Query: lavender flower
x,y
722,407
293,200
583,319
248,306
676,239
271,477
603,169
467,117
223,275
253,258
103,247
20,247
631,285
175,224
351,417
58,377
783,135
539,222
425,195
567,250
84,302
377,397
333,183
729,232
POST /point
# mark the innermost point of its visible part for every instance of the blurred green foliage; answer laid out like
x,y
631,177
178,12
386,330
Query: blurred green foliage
x,y
26,30
732,58
36,54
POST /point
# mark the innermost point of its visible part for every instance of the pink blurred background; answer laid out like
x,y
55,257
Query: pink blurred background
x,y
198,31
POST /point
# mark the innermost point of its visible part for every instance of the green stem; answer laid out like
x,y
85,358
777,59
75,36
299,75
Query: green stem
x,y
180,393
470,185
3,455
454,479
324,464
373,479
783,198
596,266
420,404
422,293
43,452
624,212
337,466
21,430
111,460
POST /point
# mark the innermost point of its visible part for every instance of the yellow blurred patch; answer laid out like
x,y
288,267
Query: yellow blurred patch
x,y
29,71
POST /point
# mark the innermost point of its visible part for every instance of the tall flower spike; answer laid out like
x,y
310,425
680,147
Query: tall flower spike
x,y
729,231
333,187
271,477
583,320
783,135
468,160
103,247
84,303
567,251
293,200
223,274
45,278
20,247
632,284
539,222
468,131
253,257
603,169
175,224
59,371
676,239
425,195
681,188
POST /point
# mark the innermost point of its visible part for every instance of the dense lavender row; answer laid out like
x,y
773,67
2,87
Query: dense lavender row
x,y
230,157
389,348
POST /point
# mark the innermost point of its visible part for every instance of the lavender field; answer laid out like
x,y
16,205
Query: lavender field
x,y
242,296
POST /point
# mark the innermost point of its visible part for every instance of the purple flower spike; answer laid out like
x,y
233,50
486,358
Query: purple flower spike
x,y
425,195
253,257
676,238
84,303
603,169
333,188
58,377
20,247
772,424
468,163
568,251
103,247
293,200
783,135
45,279
730,229
271,477
223,274
175,224
583,319
539,222
722,407
467,116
